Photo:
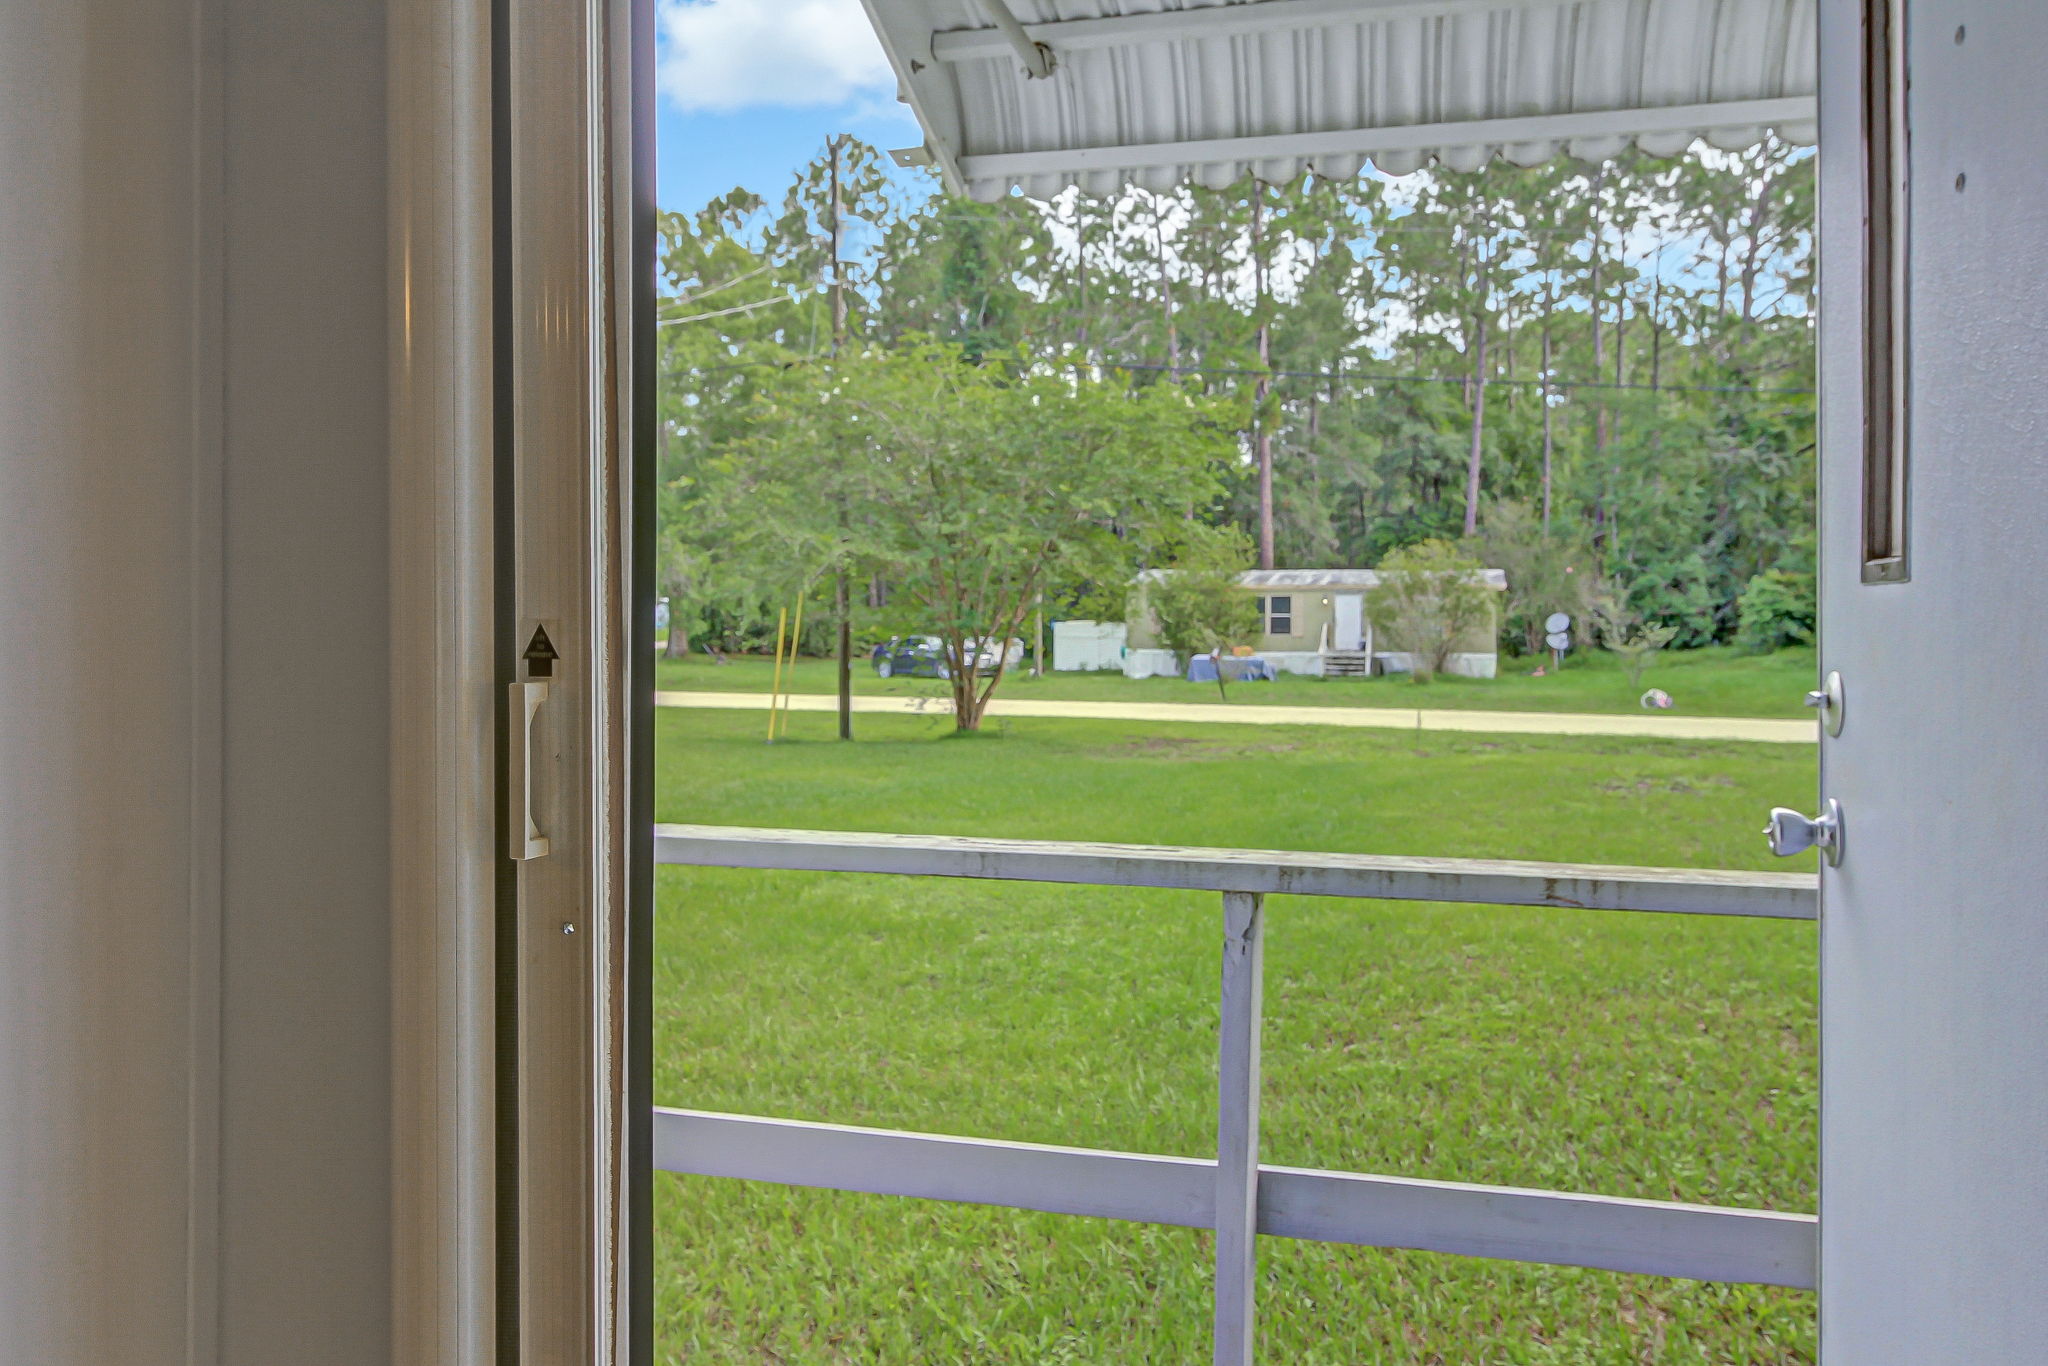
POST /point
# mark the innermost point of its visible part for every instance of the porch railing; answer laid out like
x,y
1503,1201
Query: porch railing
x,y
1235,1194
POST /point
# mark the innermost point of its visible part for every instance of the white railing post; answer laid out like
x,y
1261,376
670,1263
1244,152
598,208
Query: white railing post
x,y
1237,1126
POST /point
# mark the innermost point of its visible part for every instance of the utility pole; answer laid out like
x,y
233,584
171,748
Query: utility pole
x,y
841,599
1038,643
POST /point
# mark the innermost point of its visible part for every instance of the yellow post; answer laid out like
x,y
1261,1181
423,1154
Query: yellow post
x,y
781,620
796,632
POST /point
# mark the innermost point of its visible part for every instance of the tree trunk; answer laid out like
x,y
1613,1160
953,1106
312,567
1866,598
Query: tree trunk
x,y
964,682
678,644
1621,334
1657,331
843,602
1599,404
1263,441
1547,439
1599,356
1753,255
1166,293
1478,427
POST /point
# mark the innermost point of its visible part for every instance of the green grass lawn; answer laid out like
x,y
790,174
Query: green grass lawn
x,y
1657,1056
1710,682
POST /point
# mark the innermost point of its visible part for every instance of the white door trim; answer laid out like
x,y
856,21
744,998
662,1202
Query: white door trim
x,y
443,726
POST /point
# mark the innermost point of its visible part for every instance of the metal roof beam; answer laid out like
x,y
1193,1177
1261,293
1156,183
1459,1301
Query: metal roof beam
x,y
1402,138
1206,21
1036,57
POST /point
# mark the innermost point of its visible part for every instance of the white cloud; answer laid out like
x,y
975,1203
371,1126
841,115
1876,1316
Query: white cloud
x,y
725,55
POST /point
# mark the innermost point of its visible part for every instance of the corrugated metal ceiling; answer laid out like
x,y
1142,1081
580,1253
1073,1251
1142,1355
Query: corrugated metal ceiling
x,y
1161,92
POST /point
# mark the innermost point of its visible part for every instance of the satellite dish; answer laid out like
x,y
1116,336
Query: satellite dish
x,y
1555,623
1558,640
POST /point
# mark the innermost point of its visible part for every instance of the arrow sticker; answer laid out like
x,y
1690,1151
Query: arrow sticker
x,y
540,654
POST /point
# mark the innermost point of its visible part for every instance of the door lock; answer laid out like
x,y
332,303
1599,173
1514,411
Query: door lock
x,y
1791,833
1828,701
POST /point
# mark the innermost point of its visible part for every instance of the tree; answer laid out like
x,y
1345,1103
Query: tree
x,y
1548,571
972,487
1430,597
1628,347
1199,604
1637,641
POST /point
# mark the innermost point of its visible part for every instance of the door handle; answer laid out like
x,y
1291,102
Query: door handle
x,y
1791,833
523,837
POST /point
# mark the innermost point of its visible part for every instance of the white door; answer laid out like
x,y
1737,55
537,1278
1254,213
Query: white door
x,y
1934,960
1350,625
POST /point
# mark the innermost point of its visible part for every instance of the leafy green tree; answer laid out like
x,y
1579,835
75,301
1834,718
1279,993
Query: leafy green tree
x,y
1430,597
974,487
1200,606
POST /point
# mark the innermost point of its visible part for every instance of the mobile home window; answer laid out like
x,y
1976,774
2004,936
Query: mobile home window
x,y
1279,614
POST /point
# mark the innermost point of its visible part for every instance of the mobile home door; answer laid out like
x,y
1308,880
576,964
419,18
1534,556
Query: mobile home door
x,y
1934,510
1349,632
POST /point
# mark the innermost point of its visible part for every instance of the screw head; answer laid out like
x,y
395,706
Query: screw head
x,y
568,928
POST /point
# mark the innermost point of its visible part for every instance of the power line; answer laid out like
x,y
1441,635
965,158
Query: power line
x,y
1339,376
1349,378
725,312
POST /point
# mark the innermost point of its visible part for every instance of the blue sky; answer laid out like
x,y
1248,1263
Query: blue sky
x,y
750,90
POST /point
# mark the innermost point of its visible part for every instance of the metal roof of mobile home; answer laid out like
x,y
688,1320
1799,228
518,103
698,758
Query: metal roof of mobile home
x,y
1320,578
1162,92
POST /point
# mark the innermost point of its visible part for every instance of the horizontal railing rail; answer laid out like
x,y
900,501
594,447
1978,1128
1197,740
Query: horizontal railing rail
x,y
1494,882
1608,1233
1234,1194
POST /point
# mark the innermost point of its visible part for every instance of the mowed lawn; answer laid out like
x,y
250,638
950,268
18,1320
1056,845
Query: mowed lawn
x,y
1639,1055
1710,682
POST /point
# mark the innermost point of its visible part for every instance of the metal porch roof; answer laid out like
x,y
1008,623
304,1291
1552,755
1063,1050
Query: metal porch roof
x,y
1161,92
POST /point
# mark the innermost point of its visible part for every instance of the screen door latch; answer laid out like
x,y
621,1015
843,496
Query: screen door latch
x,y
522,834
524,837
1791,833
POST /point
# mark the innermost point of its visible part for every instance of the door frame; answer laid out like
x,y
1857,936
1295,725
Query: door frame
x,y
522,254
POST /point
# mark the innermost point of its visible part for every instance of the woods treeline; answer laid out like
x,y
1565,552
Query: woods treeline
x,y
1597,377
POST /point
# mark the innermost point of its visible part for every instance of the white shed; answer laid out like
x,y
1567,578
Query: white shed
x,y
1087,646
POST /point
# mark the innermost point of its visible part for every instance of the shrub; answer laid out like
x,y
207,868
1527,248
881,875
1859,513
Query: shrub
x,y
1776,609
1548,571
1430,597
1624,632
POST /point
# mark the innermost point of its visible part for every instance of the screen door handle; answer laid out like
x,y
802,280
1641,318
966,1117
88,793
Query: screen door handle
x,y
524,837
1791,833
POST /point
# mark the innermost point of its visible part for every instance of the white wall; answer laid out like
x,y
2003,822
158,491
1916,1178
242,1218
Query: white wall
x,y
193,1052
305,1070
106,611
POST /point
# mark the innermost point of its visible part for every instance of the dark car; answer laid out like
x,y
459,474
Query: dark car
x,y
911,656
